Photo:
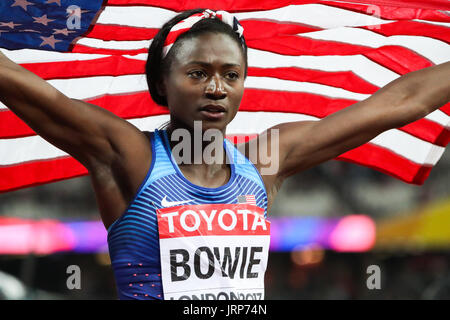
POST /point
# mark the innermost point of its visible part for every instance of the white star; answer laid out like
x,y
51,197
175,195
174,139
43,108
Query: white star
x,y
11,24
51,41
63,31
44,20
58,2
22,3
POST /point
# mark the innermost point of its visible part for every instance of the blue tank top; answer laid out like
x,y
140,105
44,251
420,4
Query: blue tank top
x,y
133,238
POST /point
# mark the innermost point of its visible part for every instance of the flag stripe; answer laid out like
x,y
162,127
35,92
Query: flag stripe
x,y
358,64
435,50
38,172
402,10
314,15
428,6
431,129
119,65
257,29
413,28
405,145
314,100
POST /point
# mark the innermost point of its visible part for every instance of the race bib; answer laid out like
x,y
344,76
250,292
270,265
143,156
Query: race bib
x,y
213,251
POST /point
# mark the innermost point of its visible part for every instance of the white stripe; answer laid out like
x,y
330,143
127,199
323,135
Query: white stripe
x,y
435,50
412,148
135,16
111,44
312,14
91,87
439,117
399,142
358,64
297,86
33,56
442,24
317,15
14,151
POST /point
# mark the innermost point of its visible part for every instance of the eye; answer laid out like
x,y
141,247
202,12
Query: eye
x,y
232,75
197,74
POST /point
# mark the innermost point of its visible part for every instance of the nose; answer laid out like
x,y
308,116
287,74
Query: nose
x,y
215,89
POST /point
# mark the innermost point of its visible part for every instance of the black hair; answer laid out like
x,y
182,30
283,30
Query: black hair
x,y
156,65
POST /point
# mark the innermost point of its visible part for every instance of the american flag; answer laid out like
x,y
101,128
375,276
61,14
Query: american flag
x,y
307,59
248,199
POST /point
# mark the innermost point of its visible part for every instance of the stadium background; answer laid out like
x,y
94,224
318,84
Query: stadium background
x,y
401,228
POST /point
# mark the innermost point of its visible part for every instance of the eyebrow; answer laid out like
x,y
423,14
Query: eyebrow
x,y
206,64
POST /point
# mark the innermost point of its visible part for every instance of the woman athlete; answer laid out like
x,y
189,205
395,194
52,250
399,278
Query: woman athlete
x,y
196,229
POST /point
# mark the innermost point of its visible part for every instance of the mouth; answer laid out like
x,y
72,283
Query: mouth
x,y
213,112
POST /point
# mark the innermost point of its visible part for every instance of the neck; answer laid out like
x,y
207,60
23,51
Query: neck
x,y
192,148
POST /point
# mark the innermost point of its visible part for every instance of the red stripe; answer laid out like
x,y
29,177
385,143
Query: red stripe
x,y
260,29
294,45
79,48
119,65
230,6
446,108
253,29
40,172
172,36
109,66
419,4
341,79
394,58
121,33
398,59
386,161
297,45
140,105
235,6
398,11
412,28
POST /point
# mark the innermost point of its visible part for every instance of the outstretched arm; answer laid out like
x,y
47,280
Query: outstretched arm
x,y
305,144
112,149
85,131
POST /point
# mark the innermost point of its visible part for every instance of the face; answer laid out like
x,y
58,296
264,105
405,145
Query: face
x,y
205,82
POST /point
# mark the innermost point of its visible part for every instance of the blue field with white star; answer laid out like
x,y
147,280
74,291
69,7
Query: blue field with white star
x,y
45,24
